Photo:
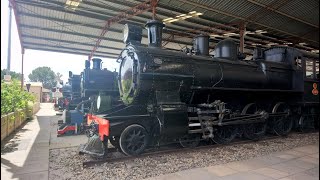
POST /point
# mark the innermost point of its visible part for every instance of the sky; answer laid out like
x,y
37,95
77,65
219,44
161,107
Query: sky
x,y
58,62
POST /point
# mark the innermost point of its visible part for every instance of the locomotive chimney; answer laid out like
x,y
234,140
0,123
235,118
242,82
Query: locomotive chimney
x,y
201,45
87,64
96,63
154,28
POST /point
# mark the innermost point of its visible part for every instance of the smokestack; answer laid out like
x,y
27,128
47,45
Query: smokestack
x,y
87,64
201,45
154,28
96,63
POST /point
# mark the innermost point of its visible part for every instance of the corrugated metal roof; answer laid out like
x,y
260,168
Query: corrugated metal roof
x,y
48,25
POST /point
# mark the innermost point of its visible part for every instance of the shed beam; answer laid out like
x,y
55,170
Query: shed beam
x,y
72,23
138,9
263,11
92,36
16,15
133,20
64,47
282,13
68,51
110,39
51,40
69,33
243,18
216,25
58,6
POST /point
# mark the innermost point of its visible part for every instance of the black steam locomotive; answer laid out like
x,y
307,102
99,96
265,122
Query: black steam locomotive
x,y
81,92
187,97
91,83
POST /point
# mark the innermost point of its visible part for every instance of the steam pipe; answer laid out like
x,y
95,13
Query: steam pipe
x,y
80,104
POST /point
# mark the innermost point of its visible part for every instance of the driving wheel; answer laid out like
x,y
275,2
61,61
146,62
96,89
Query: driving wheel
x,y
133,140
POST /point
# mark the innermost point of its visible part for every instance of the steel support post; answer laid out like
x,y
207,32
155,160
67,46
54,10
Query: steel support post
x,y
154,5
22,76
242,34
9,40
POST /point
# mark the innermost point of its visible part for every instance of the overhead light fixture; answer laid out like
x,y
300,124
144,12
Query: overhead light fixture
x,y
256,44
230,34
215,35
172,20
303,43
167,19
249,32
182,17
72,4
315,51
272,44
260,31
287,43
255,32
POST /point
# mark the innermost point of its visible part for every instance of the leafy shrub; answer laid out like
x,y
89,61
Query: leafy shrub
x,y
13,98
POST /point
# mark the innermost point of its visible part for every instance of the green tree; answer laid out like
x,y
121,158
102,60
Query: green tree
x,y
44,75
13,98
13,74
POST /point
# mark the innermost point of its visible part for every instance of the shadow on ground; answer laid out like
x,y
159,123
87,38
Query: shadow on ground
x,y
25,154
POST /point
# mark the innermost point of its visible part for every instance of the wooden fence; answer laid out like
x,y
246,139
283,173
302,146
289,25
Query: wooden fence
x,y
10,122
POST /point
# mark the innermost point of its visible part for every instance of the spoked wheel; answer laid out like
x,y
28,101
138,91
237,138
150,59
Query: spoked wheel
x,y
255,131
115,142
225,134
133,140
190,140
306,123
282,125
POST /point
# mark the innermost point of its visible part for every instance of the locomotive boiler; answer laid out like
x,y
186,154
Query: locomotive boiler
x,y
173,96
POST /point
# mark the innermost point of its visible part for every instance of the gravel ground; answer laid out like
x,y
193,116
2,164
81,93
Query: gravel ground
x,y
67,164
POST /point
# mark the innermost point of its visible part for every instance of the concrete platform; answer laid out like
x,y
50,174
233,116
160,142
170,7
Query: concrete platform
x,y
301,163
26,155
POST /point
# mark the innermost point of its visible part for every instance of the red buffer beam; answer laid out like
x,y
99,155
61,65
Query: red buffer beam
x,y
136,10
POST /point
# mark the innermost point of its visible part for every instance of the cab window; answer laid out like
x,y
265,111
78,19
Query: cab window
x,y
298,63
309,69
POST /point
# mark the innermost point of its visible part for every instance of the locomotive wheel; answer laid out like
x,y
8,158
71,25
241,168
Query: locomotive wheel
x,y
115,142
133,140
282,125
255,131
224,134
306,123
190,140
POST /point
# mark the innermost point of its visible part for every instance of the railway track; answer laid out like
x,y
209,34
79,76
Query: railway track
x,y
165,150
